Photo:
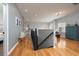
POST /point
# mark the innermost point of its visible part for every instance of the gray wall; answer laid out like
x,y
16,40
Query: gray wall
x,y
1,17
1,13
70,19
39,25
13,29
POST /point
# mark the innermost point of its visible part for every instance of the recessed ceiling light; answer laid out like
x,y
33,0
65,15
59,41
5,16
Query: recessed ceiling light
x,y
26,10
59,13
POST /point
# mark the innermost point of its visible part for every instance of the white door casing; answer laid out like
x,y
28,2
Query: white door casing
x,y
5,28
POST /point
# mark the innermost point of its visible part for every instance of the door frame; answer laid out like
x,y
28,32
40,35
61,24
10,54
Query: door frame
x,y
5,29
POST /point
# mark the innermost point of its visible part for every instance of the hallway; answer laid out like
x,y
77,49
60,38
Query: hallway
x,y
24,48
41,17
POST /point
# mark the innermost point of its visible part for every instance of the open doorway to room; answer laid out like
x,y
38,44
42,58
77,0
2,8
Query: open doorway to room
x,y
60,35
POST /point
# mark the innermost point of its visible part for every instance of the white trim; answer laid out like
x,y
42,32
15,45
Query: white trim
x,y
5,26
13,48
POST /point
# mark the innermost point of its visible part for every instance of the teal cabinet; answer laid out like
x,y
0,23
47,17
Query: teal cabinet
x,y
72,32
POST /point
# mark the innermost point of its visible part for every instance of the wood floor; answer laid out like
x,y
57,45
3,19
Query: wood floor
x,y
71,48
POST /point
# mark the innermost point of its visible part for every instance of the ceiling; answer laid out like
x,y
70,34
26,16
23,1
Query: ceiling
x,y
45,12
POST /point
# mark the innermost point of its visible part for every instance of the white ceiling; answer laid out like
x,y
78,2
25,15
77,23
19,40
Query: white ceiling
x,y
45,12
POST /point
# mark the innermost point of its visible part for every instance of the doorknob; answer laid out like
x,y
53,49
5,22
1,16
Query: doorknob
x,y
3,32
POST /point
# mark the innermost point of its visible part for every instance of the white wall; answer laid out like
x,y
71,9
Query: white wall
x,y
13,29
51,25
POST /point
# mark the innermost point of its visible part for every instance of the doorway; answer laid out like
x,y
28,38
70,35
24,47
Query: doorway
x,y
60,35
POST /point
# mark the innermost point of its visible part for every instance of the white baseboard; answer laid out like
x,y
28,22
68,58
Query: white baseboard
x,y
13,48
